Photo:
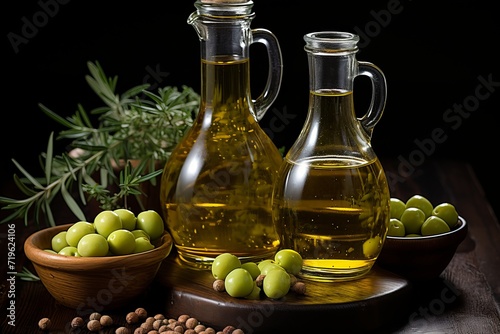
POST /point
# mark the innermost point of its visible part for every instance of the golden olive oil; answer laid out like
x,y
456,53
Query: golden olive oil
x,y
334,212
217,185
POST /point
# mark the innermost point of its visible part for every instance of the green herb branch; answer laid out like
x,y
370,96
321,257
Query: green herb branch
x,y
137,125
27,275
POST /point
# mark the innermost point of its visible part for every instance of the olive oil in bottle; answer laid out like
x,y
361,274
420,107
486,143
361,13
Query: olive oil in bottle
x,y
331,201
334,212
216,189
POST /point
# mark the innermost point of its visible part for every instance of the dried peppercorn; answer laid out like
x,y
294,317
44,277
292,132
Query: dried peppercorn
x,y
44,324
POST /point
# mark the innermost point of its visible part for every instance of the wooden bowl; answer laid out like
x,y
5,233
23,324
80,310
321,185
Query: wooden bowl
x,y
422,258
86,283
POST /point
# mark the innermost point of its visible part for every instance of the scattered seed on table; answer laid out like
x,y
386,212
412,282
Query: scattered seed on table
x,y
132,318
77,322
94,325
142,313
44,324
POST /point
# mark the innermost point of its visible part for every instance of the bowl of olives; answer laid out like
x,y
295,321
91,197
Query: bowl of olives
x,y
422,238
100,264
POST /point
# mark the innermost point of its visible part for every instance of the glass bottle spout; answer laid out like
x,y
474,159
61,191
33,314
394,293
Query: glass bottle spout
x,y
223,28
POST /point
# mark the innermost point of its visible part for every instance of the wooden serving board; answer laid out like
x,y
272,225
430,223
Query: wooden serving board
x,y
368,303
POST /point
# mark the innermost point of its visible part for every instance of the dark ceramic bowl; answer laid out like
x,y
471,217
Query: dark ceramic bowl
x,y
83,282
422,258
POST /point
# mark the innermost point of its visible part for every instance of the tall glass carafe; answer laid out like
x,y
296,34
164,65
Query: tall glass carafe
x,y
216,187
331,202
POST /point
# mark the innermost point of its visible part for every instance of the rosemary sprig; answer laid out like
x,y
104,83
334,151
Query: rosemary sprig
x,y
136,125
27,275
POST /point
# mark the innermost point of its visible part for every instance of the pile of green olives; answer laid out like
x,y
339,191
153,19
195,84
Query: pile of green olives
x,y
419,217
272,277
113,232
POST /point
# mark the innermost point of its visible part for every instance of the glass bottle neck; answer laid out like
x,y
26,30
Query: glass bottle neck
x,y
223,29
225,37
331,80
332,61
332,129
329,73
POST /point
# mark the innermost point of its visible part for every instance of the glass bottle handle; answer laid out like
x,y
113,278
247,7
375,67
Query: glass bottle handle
x,y
271,90
379,95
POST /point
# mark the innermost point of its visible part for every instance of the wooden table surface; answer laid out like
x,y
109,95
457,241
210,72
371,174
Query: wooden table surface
x,y
465,299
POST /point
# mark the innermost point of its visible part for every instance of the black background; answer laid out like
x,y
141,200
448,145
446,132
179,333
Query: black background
x,y
432,53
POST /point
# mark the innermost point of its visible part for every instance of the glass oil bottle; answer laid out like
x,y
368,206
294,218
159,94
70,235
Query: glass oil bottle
x,y
331,202
216,188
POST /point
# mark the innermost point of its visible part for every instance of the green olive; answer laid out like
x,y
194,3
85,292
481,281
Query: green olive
x,y
264,263
69,251
271,266
276,284
239,283
58,242
372,247
106,222
420,202
140,233
76,231
93,245
397,207
142,244
255,294
447,212
223,264
151,222
413,218
121,242
290,260
396,228
128,218
252,268
434,225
